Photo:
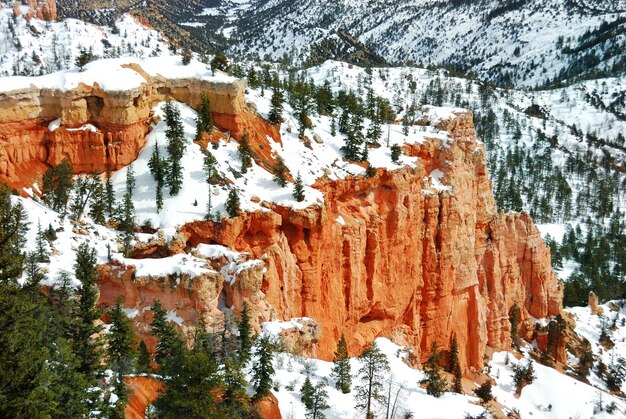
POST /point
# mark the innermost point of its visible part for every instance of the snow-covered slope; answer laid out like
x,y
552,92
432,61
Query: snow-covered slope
x,y
526,42
34,47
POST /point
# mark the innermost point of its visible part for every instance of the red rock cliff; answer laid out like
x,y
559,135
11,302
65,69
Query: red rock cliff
x,y
121,118
393,256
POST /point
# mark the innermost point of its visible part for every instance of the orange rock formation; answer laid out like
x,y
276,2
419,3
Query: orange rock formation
x,y
406,261
122,119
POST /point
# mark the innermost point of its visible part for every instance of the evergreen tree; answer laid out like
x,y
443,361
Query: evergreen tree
x,y
319,401
57,185
396,152
374,368
341,367
127,212
484,392
306,393
276,111
245,152
121,354
143,359
110,196
245,335
454,366
84,190
98,204
175,147
85,57
280,172
263,370
523,375
13,227
436,383
41,251
235,399
170,347
86,346
204,121
298,189
193,384
232,203
158,168
186,59
219,62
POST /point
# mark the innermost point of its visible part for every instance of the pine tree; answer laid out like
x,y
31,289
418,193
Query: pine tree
x,y
175,147
319,401
158,168
186,56
41,252
219,62
280,172
232,203
276,111
13,227
204,121
57,185
110,196
121,355
143,359
84,190
341,367
86,346
97,208
306,393
193,384
245,152
484,392
454,366
263,371
170,347
396,152
436,383
245,335
235,399
127,212
210,167
374,368
298,189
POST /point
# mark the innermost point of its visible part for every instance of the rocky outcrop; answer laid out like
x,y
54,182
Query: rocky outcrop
x,y
29,144
594,304
394,256
143,391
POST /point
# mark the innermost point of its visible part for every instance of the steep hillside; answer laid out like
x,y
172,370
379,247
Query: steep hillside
x,y
30,46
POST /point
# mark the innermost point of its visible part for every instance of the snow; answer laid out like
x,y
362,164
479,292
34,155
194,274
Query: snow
x,y
54,125
551,395
36,47
290,371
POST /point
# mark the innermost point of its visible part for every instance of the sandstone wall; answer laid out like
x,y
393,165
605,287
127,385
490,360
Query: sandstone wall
x,y
407,263
28,147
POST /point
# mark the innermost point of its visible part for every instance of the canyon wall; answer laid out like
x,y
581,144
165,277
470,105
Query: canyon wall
x,y
121,119
392,256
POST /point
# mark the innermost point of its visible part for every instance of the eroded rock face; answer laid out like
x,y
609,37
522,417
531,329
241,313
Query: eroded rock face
x,y
122,120
391,256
